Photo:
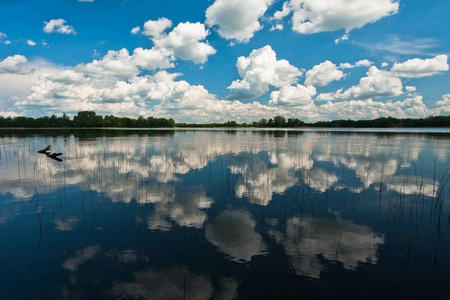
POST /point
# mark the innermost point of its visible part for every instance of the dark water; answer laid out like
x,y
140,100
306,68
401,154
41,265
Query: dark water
x,y
211,214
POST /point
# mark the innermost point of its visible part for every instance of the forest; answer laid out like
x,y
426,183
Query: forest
x,y
89,119
85,119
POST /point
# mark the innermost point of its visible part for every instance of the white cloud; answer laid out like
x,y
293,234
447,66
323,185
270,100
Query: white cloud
x,y
237,19
445,100
20,76
85,0
323,74
327,96
277,27
3,39
378,83
136,29
410,89
198,104
384,64
122,64
285,11
260,70
14,65
59,26
108,87
346,66
312,16
184,41
7,114
156,28
415,68
359,63
370,109
31,43
363,63
68,77
344,37
298,95
117,84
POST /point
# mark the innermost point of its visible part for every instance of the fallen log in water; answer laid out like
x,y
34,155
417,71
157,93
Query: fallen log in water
x,y
49,154
44,151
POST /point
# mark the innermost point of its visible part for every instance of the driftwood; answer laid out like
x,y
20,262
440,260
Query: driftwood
x,y
49,154
53,155
44,151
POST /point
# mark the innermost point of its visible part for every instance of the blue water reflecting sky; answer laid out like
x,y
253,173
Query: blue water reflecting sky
x,y
224,214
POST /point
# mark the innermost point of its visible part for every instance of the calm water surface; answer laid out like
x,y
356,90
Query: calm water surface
x,y
225,214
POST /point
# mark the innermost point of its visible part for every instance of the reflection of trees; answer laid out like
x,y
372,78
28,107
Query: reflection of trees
x,y
306,241
233,232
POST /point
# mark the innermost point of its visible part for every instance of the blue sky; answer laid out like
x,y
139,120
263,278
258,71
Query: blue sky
x,y
219,60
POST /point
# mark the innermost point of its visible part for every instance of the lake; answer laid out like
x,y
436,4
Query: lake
x,y
225,214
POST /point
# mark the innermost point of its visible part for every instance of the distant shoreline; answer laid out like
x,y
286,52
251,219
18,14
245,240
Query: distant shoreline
x,y
90,120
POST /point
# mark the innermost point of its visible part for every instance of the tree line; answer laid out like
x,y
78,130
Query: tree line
x,y
86,119
281,122
91,119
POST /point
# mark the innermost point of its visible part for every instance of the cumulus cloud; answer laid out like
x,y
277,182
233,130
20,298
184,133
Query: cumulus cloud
x,y
237,19
370,109
298,95
11,114
186,41
359,63
160,95
14,65
260,70
363,63
198,104
122,64
445,100
59,26
68,77
410,89
31,42
156,28
415,68
377,83
323,74
311,16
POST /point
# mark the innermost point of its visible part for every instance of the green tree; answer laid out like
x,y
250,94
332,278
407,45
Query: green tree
x,y
87,119
279,121
262,123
